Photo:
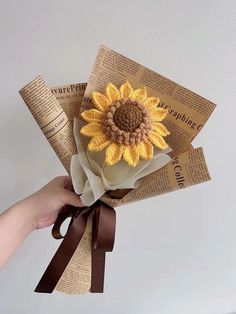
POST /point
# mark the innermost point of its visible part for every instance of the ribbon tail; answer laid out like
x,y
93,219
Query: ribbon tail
x,y
104,221
98,271
63,255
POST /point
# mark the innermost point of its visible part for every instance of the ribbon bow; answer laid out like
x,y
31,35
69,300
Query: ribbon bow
x,y
103,236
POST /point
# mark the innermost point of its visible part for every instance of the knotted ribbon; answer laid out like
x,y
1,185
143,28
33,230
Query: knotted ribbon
x,y
103,236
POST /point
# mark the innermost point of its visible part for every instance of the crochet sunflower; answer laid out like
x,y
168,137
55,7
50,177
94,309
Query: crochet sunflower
x,y
126,122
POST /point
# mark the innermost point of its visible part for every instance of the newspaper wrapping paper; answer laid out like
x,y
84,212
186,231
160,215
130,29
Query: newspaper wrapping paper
x,y
51,118
76,278
188,112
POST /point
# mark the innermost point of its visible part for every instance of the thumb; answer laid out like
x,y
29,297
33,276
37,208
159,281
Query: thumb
x,y
71,198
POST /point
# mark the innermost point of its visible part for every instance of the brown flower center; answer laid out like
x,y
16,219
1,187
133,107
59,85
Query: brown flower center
x,y
128,117
127,122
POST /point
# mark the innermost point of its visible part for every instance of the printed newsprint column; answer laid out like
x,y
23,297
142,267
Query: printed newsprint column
x,y
188,112
76,278
185,170
51,118
70,98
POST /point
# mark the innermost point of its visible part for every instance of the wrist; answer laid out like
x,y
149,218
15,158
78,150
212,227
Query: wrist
x,y
23,216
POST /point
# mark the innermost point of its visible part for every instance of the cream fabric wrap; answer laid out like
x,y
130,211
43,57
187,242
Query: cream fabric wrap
x,y
92,177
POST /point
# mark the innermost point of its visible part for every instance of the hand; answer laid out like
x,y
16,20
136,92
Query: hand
x,y
38,210
44,205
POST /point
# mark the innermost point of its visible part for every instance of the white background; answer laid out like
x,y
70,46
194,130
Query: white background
x,y
174,254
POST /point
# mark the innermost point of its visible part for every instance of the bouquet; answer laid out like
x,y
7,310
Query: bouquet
x,y
124,136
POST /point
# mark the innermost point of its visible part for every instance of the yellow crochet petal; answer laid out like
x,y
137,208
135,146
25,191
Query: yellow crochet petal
x,y
131,155
98,143
160,128
112,92
100,101
158,114
140,94
91,129
157,140
92,115
113,153
151,102
126,90
145,150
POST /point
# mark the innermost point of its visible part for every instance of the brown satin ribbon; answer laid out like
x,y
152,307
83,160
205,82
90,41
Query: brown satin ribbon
x,y
103,235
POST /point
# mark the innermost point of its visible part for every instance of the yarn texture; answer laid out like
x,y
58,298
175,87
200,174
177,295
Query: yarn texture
x,y
126,122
